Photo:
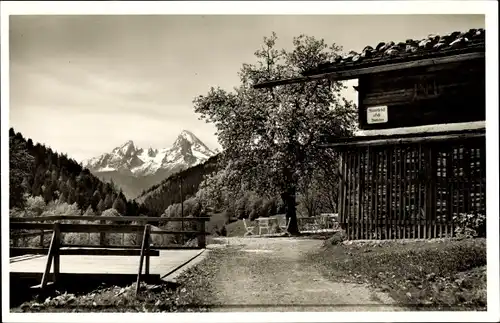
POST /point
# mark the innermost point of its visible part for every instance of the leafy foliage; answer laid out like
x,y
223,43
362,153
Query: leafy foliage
x,y
110,213
36,206
271,138
470,225
242,204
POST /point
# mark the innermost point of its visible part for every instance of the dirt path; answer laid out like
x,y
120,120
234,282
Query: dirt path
x,y
262,274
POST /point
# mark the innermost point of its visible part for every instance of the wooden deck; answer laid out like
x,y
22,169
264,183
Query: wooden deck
x,y
163,265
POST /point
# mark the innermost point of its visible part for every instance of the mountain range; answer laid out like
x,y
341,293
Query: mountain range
x,y
134,169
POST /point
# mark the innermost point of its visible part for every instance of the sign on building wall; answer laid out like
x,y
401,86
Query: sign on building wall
x,y
376,115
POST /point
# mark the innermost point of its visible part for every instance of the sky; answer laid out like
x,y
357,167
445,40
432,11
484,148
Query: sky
x,y
86,84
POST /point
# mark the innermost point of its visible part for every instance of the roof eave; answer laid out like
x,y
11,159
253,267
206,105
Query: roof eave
x,y
347,74
362,141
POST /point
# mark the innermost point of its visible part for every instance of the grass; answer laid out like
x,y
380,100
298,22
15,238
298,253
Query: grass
x,y
216,222
440,275
237,229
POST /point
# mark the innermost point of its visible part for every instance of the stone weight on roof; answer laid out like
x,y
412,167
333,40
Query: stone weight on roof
x,y
385,51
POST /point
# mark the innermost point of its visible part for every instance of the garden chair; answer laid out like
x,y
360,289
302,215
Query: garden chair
x,y
264,224
248,229
284,224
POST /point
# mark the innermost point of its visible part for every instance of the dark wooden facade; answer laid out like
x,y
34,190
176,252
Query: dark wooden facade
x,y
447,93
411,190
414,188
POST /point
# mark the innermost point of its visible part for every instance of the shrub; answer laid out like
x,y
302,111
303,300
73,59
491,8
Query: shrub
x,y
110,213
173,211
337,238
56,208
76,238
35,206
470,225
222,232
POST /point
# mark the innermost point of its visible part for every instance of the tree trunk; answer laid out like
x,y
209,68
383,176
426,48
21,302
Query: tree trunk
x,y
291,211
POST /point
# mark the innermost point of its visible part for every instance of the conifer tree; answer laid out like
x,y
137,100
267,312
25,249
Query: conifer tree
x,y
119,205
108,201
20,163
101,207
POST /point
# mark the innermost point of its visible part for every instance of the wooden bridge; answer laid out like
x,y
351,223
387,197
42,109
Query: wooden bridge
x,y
144,261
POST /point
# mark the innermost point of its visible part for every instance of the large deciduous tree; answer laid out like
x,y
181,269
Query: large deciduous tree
x,y
271,138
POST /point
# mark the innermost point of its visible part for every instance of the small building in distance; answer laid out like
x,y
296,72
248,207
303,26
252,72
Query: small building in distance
x,y
418,158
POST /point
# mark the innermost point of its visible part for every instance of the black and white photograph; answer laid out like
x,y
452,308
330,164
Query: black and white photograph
x,y
218,158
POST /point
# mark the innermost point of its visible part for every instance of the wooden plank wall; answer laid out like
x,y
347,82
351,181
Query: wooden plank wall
x,y
411,191
432,95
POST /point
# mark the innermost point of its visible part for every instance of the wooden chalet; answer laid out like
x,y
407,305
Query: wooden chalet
x,y
418,158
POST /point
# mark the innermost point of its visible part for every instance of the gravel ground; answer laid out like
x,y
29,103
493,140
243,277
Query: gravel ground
x,y
275,274
296,274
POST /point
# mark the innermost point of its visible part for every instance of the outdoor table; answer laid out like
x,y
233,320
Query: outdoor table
x,y
310,222
266,223
328,220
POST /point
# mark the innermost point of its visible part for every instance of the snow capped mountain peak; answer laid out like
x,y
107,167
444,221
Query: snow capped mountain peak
x,y
186,135
187,140
125,149
187,151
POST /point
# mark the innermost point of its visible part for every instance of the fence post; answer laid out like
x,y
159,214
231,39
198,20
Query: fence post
x,y
41,236
53,251
141,259
148,242
102,235
15,240
182,212
57,241
341,194
201,234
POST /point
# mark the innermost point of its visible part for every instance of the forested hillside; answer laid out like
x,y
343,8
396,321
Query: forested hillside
x,y
204,193
39,175
160,196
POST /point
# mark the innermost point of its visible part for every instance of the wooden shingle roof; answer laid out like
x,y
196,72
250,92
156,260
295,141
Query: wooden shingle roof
x,y
391,52
386,53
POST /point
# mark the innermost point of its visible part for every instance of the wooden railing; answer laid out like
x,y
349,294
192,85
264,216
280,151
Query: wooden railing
x,y
42,225
57,247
